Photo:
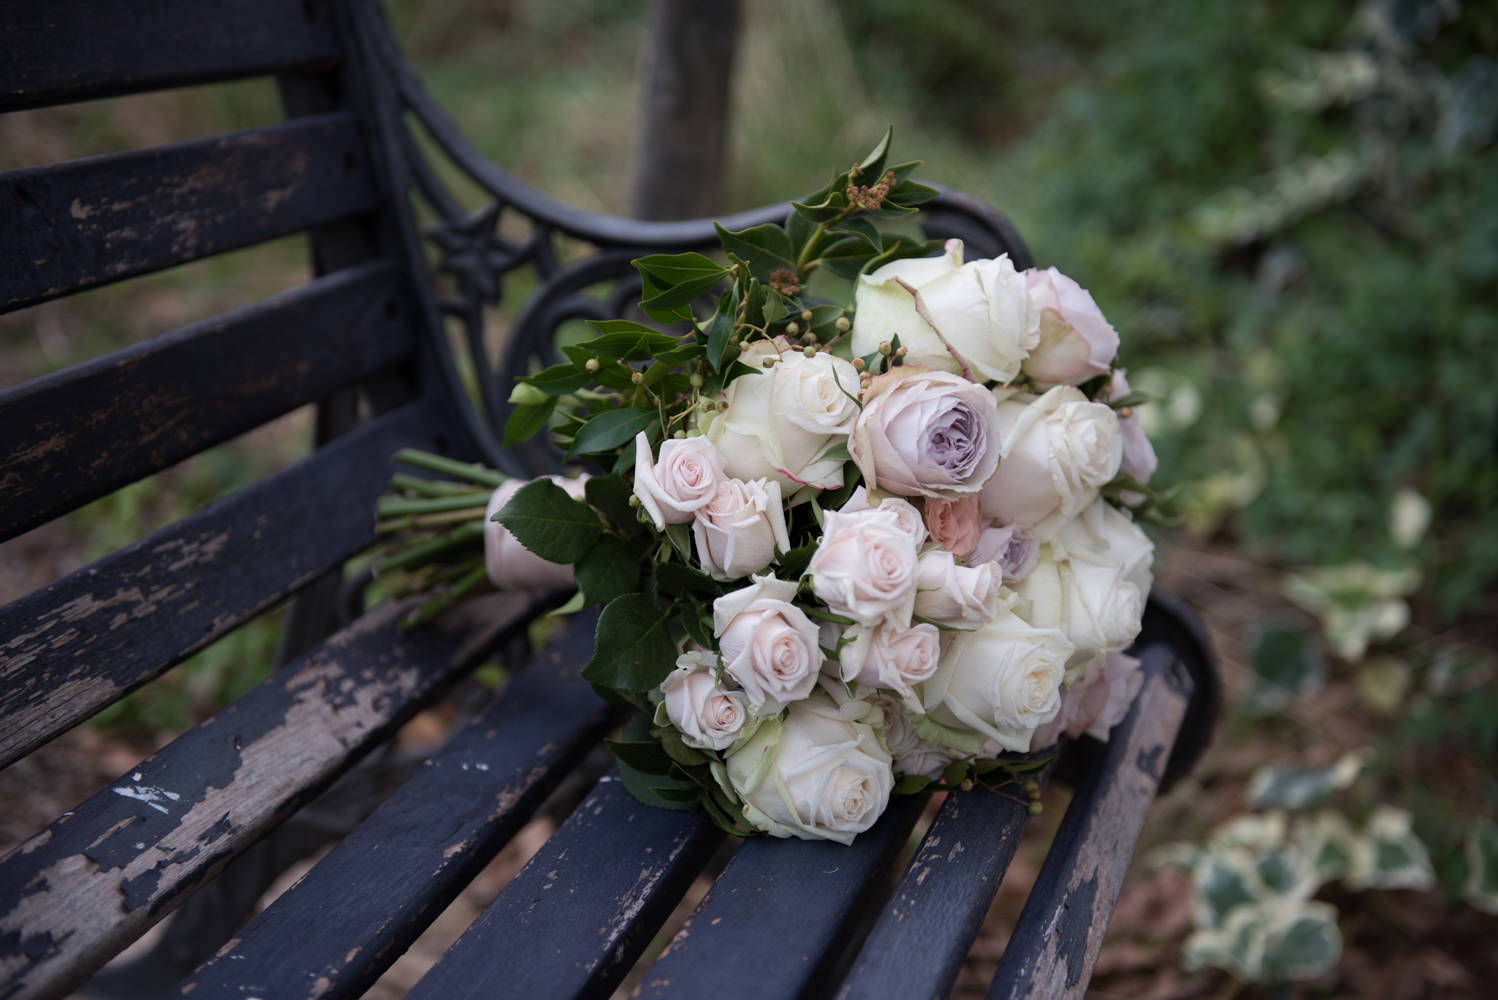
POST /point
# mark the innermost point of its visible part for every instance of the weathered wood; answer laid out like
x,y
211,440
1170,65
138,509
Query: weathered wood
x,y
77,435
574,920
1056,940
72,50
88,222
100,875
777,919
924,932
359,908
681,155
90,638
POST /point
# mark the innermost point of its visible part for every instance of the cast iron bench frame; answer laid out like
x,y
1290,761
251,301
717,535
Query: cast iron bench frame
x,y
403,276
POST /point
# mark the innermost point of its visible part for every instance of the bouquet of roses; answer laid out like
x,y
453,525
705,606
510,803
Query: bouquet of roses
x,y
841,550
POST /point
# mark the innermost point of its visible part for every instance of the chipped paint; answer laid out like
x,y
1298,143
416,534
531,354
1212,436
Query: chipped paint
x,y
149,794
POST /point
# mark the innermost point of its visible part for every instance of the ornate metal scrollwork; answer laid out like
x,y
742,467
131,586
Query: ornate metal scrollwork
x,y
475,258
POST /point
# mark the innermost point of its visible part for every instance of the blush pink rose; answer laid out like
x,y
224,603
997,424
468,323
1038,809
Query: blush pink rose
x,y
769,646
907,515
893,658
682,479
865,567
954,524
1076,342
708,716
926,433
739,529
956,596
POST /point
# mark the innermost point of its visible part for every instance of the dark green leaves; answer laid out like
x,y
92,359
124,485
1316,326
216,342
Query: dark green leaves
x,y
612,428
766,249
633,650
673,281
549,522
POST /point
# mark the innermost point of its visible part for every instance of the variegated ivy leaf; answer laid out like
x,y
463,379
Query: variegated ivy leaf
x,y
1237,946
1357,603
1390,856
1287,873
1295,788
1330,844
1255,832
1481,849
1301,941
1223,881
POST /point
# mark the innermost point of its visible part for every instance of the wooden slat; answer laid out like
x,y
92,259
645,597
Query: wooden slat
x,y
574,920
1056,940
70,50
88,222
80,434
90,638
924,932
95,879
359,908
778,916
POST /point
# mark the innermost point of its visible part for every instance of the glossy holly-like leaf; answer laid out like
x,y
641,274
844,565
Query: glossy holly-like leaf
x,y
612,428
633,650
548,522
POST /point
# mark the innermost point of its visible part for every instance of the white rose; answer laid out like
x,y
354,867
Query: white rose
x,y
1097,702
510,565
821,774
926,433
907,515
739,530
1076,342
1058,451
1109,535
974,319
769,646
707,716
885,656
1002,680
781,422
912,755
1086,597
952,595
683,479
865,567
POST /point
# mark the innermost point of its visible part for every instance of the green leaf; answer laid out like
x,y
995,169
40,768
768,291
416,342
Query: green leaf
x,y
872,165
557,380
659,791
847,256
610,495
1286,664
719,329
1300,944
607,571
678,279
794,562
674,578
799,229
544,519
765,248
633,650
1302,788
612,428
629,342
526,421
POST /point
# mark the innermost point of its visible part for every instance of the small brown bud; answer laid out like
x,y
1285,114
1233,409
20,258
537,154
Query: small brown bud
x,y
858,365
636,377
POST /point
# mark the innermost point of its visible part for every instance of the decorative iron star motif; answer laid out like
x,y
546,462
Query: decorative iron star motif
x,y
473,252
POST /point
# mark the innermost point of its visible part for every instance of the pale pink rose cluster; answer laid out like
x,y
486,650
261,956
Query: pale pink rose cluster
x,y
973,595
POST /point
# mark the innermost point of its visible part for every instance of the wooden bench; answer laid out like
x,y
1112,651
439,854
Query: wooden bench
x,y
370,339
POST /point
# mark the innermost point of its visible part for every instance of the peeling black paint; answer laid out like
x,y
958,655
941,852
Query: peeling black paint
x,y
1077,921
1149,760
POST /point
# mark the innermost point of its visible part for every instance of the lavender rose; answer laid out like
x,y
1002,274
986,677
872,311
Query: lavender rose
x,y
926,433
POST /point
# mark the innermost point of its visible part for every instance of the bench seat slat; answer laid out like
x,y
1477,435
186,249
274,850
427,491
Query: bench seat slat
x,y
923,934
89,222
80,434
777,917
361,906
89,639
70,50
1059,931
134,850
576,917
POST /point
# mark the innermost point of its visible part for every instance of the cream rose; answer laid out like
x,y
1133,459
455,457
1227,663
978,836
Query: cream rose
x,y
1076,342
821,774
912,755
954,524
1097,702
952,595
739,530
884,656
1058,451
769,646
1106,534
865,567
708,716
926,433
1002,680
785,423
682,480
1084,595
974,319
510,565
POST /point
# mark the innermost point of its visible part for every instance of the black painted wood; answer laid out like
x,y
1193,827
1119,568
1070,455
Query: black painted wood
x,y
1060,930
359,908
574,920
924,932
100,875
73,647
778,919
77,435
88,222
71,50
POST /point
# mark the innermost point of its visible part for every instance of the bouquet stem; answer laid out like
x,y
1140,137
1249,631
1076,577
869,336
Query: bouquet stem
x,y
451,467
432,549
